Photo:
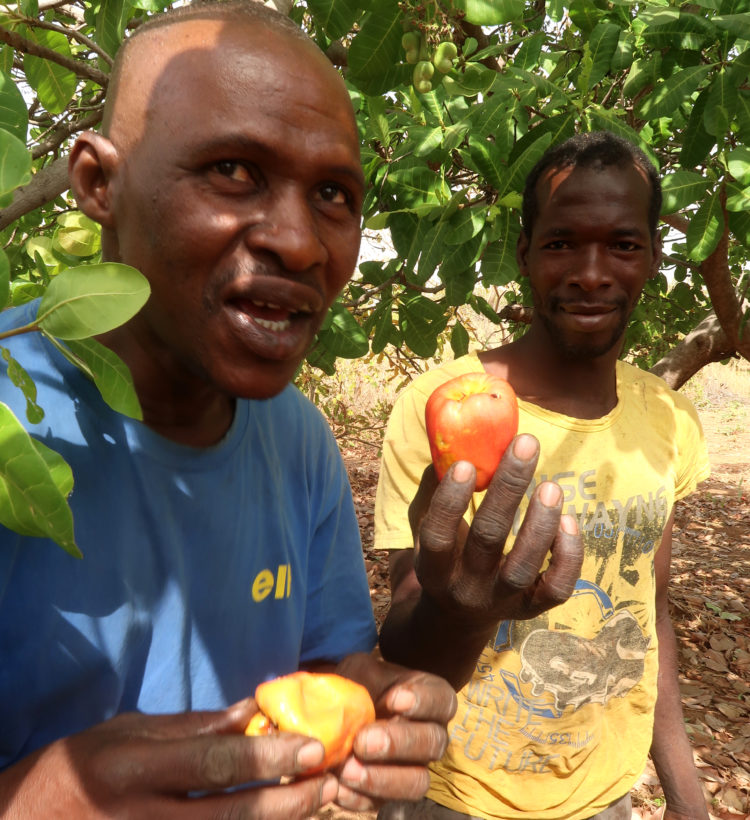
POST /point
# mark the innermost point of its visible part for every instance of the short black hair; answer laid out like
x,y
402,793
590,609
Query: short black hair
x,y
240,10
598,150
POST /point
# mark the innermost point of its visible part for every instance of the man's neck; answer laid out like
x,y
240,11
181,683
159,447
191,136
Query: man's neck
x,y
184,409
542,374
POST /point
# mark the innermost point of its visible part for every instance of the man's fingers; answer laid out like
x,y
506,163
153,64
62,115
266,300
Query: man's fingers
x,y
421,502
233,719
205,763
293,801
559,579
381,782
540,526
401,741
439,535
494,518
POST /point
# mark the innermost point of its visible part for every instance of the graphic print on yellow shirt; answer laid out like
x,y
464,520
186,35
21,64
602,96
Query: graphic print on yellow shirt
x,y
557,719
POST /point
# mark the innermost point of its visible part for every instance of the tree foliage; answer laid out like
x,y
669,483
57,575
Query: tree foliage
x,y
456,100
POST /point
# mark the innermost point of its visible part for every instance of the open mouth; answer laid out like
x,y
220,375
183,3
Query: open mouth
x,y
270,315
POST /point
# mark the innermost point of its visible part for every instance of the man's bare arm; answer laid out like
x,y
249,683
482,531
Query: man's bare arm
x,y
670,748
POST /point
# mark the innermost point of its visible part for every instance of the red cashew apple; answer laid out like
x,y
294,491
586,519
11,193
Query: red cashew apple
x,y
325,706
473,417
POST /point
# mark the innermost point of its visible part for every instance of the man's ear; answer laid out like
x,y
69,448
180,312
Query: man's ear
x,y
657,254
522,247
92,167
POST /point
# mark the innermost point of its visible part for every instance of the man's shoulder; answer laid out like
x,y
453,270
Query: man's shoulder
x,y
640,384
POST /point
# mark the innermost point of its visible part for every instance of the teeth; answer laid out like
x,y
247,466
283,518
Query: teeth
x,y
269,325
273,306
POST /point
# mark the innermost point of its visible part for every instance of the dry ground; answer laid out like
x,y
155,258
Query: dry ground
x,y
710,599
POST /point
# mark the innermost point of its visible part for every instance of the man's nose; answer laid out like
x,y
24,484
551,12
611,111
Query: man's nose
x,y
289,230
592,268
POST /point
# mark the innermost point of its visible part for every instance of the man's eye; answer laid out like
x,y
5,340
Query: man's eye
x,y
235,171
330,192
626,246
556,245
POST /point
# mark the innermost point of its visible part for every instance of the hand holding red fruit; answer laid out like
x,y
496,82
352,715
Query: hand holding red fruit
x,y
473,417
450,592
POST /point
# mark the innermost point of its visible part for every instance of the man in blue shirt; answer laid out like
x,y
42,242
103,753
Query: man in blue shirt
x,y
220,542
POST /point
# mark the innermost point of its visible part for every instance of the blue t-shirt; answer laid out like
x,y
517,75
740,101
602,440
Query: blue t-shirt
x,y
205,570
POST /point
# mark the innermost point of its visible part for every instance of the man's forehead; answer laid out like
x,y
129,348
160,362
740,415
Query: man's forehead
x,y
159,60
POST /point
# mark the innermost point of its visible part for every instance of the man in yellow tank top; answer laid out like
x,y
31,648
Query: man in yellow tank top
x,y
558,712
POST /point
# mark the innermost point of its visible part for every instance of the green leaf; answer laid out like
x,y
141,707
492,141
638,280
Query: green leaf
x,y
375,52
433,248
14,117
681,189
15,163
41,250
111,21
696,142
670,29
515,178
377,121
490,12
53,84
739,225
344,337
77,234
602,44
416,184
738,25
670,94
34,483
382,326
643,72
484,158
88,300
720,104
743,114
21,379
473,80
705,228
459,340
738,198
498,264
109,373
738,162
335,16
466,224
4,280
421,320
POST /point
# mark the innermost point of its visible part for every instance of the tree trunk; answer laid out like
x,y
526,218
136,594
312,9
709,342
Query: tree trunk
x,y
704,344
45,185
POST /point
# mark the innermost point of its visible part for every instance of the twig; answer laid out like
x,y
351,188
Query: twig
x,y
35,50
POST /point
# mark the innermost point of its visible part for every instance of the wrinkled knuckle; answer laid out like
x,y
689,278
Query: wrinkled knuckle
x,y
558,593
217,766
417,786
434,535
518,575
114,773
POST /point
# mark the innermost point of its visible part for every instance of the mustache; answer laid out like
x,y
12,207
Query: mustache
x,y
559,302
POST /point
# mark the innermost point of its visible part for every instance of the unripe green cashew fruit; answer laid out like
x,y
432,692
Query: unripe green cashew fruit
x,y
444,56
411,42
423,72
